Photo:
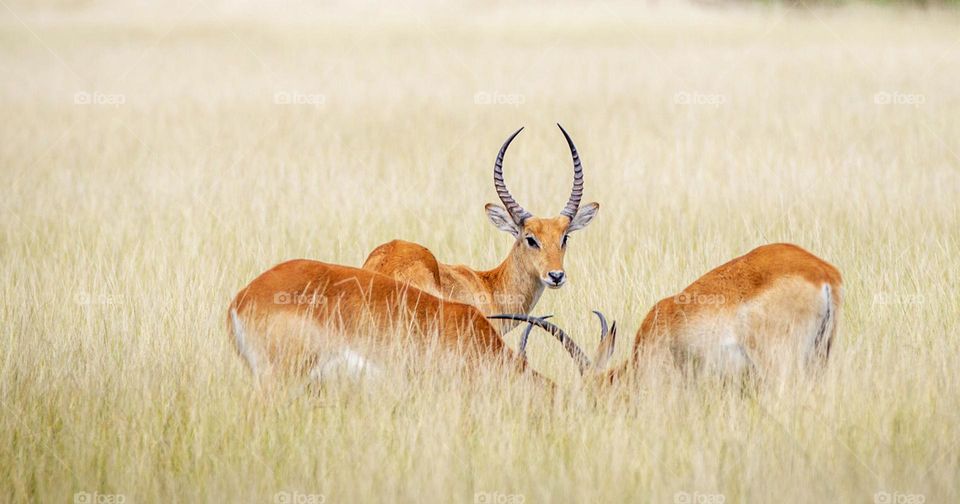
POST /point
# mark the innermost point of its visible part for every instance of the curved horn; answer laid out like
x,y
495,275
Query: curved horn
x,y
583,362
513,208
604,330
522,348
573,204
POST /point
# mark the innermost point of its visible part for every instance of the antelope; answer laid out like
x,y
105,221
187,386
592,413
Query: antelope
x,y
534,262
306,318
768,312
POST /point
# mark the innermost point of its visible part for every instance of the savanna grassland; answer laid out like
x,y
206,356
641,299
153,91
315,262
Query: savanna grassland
x,y
155,159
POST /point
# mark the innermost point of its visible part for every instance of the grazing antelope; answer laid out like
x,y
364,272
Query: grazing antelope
x,y
772,311
308,318
535,261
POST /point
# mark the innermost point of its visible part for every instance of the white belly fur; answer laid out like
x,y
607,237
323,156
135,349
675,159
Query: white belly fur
x,y
347,364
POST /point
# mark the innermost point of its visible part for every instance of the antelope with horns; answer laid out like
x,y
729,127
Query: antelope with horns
x,y
311,319
535,261
770,312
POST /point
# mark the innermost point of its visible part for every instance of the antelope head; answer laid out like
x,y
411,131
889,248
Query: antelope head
x,y
541,242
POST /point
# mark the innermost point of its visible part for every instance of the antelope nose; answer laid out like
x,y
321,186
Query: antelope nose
x,y
556,276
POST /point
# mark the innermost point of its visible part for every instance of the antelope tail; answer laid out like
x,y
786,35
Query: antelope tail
x,y
823,338
240,338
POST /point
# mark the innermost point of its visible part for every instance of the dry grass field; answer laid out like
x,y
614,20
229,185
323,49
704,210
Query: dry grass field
x,y
156,158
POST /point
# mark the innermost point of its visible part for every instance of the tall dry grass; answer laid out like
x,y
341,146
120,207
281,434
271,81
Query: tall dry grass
x,y
127,227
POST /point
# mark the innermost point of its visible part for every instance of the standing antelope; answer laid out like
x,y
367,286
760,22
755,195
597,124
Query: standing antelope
x,y
535,261
308,318
772,311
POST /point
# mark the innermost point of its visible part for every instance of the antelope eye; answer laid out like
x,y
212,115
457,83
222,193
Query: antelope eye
x,y
532,243
564,242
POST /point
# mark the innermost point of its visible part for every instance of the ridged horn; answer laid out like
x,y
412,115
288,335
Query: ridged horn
x,y
513,208
522,347
583,362
576,194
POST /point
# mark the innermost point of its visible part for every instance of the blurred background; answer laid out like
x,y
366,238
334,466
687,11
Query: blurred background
x,y
157,156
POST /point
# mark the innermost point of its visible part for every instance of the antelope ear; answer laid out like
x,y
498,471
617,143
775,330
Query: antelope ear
x,y
585,214
502,220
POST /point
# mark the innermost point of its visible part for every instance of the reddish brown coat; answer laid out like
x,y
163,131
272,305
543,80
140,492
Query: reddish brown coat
x,y
291,311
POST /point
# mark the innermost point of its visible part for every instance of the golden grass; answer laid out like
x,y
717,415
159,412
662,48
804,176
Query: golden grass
x,y
705,132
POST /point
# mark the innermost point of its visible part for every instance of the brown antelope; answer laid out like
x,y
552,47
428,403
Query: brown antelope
x,y
535,261
307,318
770,311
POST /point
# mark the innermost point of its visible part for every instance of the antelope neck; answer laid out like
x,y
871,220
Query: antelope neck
x,y
514,290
